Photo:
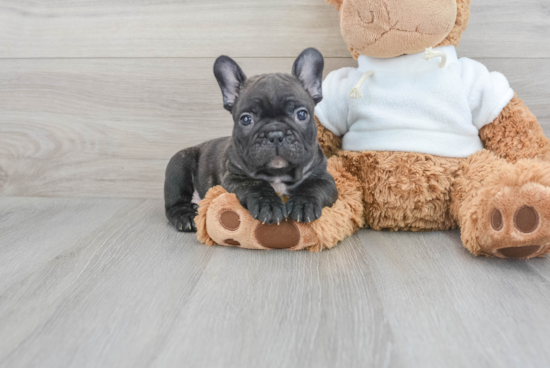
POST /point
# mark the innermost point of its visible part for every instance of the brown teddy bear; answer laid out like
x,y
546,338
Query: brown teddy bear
x,y
428,141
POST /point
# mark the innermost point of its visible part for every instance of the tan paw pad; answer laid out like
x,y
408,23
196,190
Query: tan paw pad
x,y
231,242
526,219
283,236
520,252
230,220
496,220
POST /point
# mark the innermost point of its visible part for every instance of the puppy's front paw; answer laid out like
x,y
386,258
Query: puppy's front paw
x,y
303,209
267,209
183,217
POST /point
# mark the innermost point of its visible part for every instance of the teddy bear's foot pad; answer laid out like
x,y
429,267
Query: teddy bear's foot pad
x,y
526,220
283,236
230,220
526,251
519,223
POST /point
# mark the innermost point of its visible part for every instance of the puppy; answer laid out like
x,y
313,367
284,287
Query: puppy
x,y
273,148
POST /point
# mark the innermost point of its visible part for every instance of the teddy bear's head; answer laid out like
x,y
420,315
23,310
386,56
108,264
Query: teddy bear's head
x,y
389,28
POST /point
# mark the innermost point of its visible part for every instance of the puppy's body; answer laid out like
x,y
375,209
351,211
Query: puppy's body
x,y
273,148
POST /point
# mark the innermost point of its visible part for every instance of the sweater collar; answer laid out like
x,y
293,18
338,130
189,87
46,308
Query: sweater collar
x,y
406,63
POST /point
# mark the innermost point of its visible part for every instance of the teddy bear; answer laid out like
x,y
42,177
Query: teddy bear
x,y
418,140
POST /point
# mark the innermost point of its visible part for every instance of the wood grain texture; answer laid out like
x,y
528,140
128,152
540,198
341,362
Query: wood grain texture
x,y
107,127
507,29
142,28
243,28
108,283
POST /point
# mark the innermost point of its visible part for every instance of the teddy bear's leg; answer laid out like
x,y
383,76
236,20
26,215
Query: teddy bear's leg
x,y
222,220
516,134
503,209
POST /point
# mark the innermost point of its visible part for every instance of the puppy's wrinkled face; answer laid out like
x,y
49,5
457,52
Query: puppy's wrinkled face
x,y
274,129
274,124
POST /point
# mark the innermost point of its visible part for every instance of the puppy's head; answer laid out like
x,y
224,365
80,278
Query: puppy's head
x,y
274,128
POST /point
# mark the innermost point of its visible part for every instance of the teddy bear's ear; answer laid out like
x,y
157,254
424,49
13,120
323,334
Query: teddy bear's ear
x,y
336,3
462,17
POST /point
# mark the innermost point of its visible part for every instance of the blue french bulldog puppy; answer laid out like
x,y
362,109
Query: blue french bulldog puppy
x,y
273,148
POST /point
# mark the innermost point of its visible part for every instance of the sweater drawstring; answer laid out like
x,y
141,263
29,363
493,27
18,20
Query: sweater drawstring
x,y
356,91
430,54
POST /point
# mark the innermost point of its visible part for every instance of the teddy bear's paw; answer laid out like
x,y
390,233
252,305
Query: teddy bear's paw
x,y
284,235
230,224
516,223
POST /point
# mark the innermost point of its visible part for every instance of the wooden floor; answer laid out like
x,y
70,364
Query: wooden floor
x,y
96,96
107,283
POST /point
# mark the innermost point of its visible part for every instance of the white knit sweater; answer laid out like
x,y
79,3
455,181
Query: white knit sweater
x,y
413,105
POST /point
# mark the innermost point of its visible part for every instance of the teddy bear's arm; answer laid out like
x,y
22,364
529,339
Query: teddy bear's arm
x,y
330,143
516,134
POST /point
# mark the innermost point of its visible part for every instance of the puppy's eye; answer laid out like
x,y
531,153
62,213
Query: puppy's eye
x,y
246,119
302,114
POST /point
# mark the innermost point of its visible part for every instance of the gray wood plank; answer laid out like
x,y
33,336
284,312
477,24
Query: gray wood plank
x,y
107,128
435,296
507,29
113,268
129,291
243,28
18,217
141,28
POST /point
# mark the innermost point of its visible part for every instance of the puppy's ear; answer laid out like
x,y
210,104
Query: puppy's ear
x,y
308,68
230,79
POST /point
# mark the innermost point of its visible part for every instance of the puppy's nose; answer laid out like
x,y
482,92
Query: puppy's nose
x,y
276,138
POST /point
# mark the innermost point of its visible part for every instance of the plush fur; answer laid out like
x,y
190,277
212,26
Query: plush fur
x,y
515,134
404,191
330,143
